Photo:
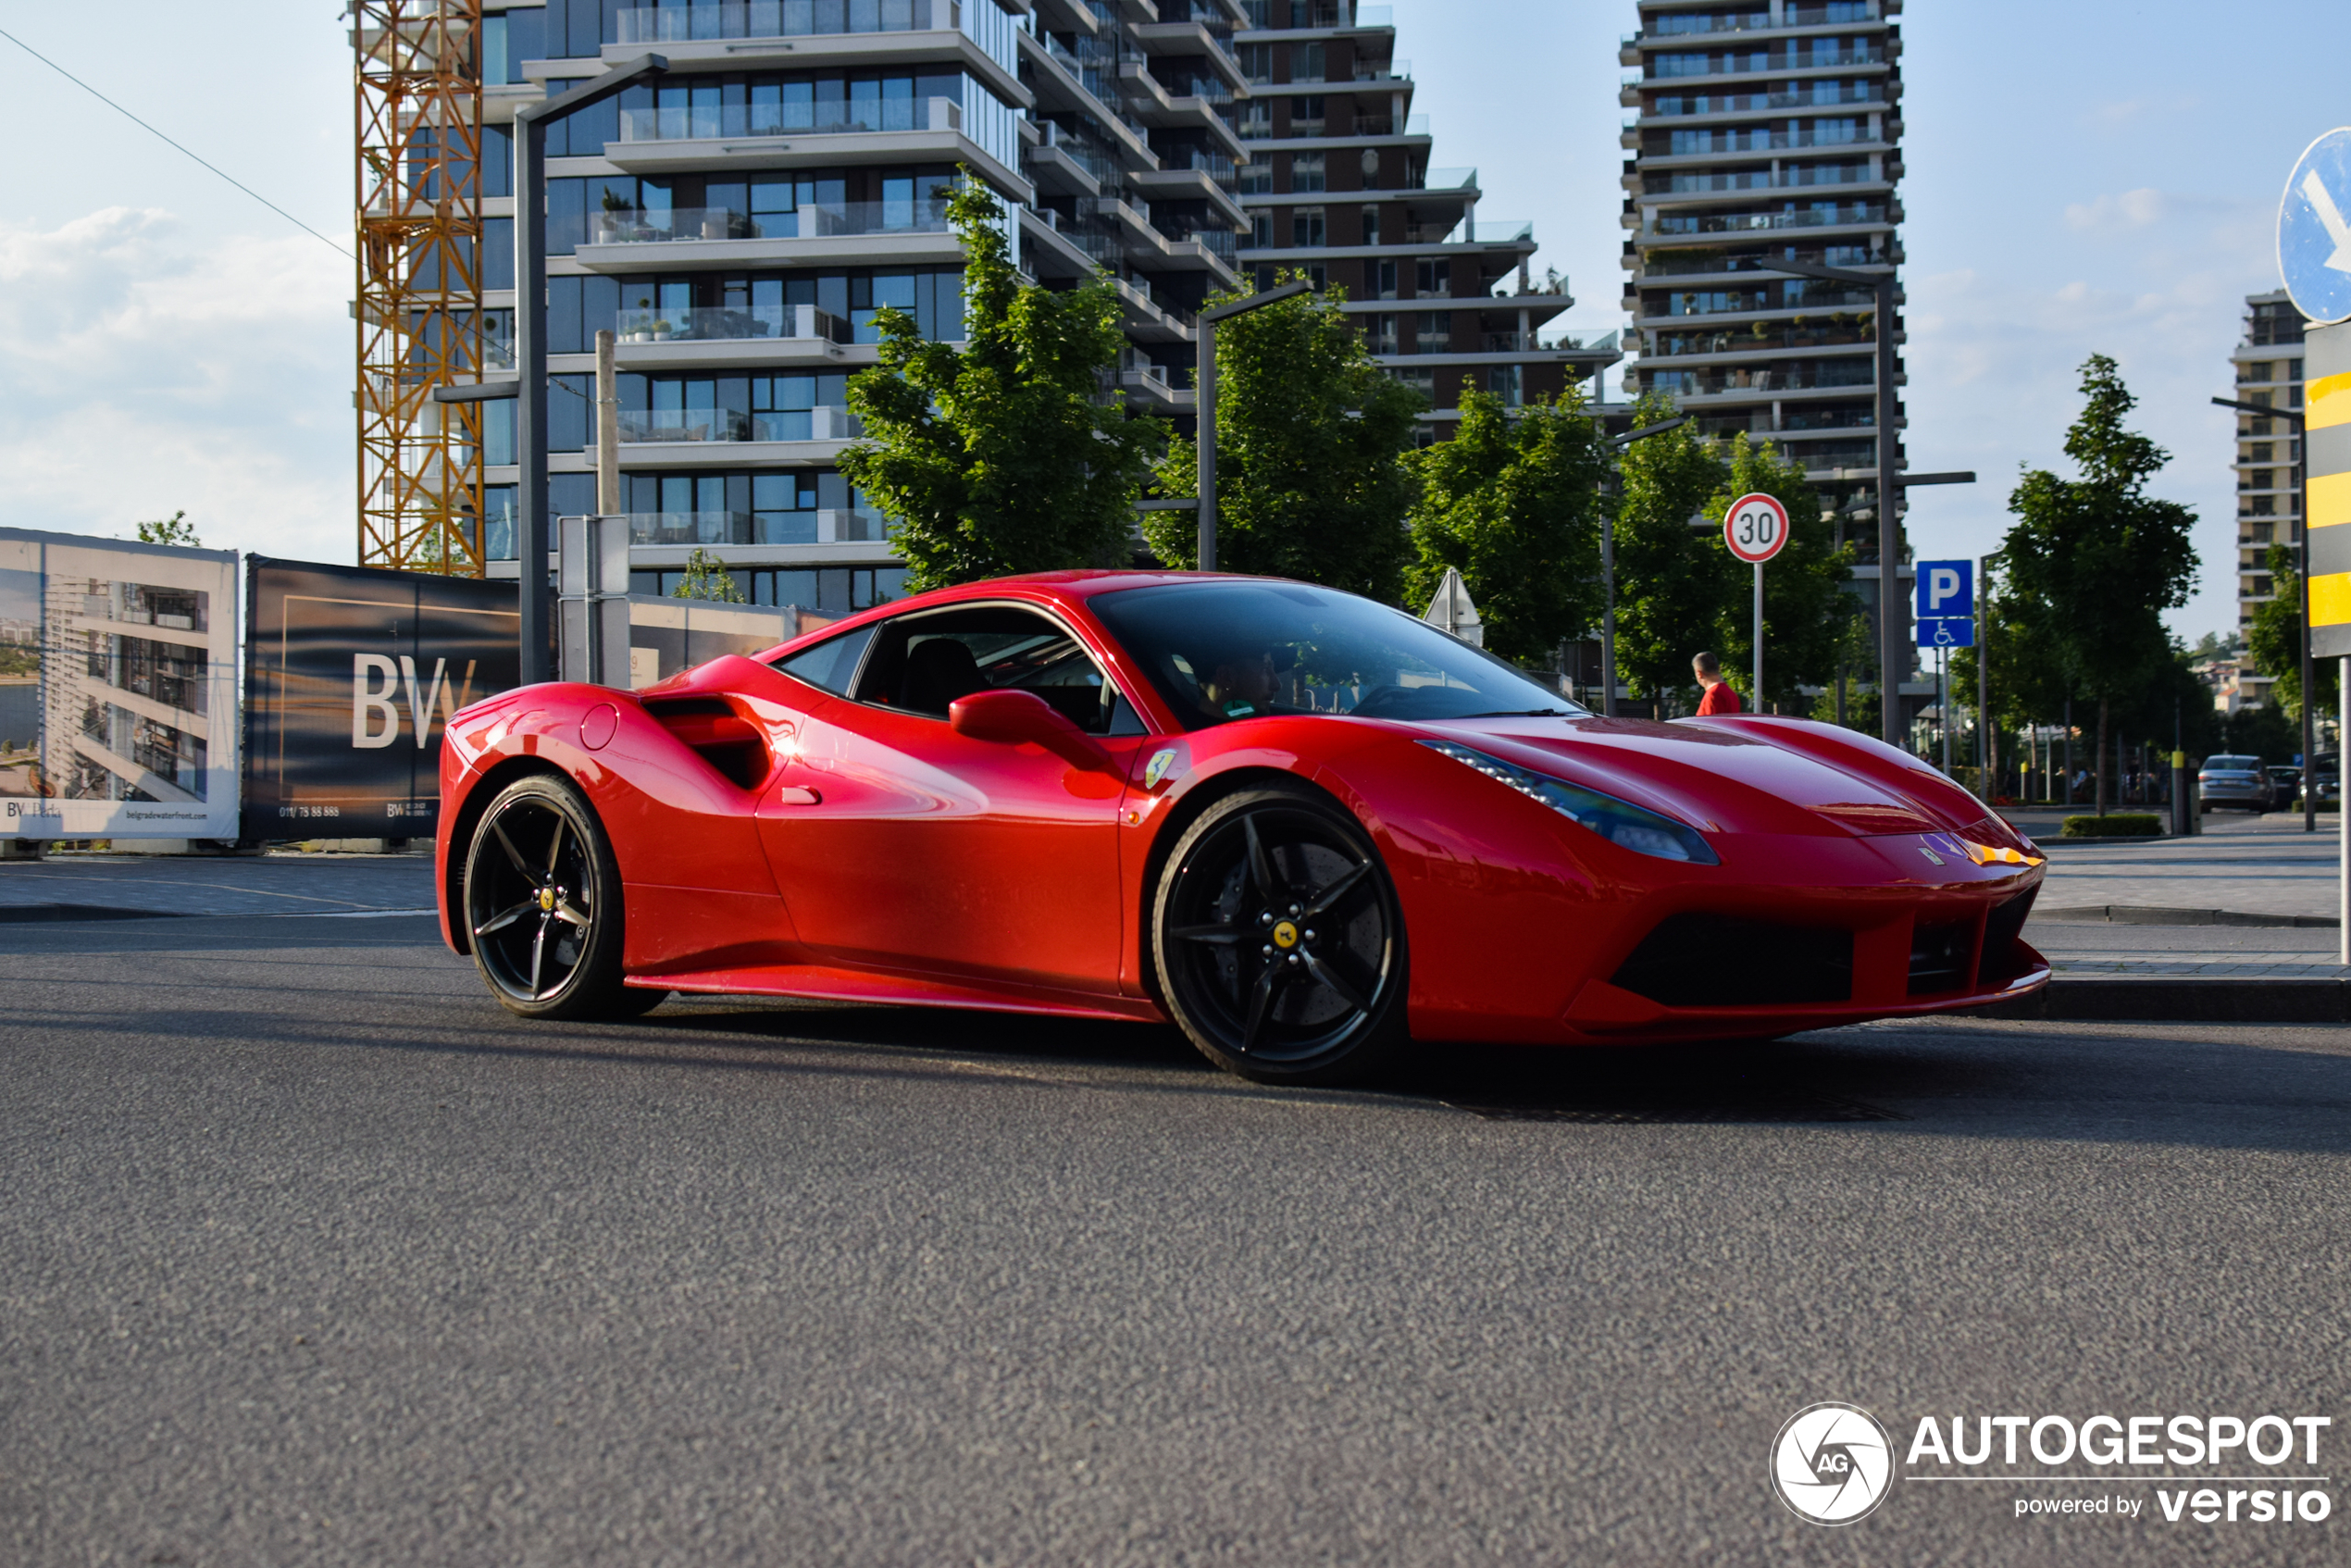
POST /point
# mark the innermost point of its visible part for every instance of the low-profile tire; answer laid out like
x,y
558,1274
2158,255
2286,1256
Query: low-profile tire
x,y
543,905
1278,940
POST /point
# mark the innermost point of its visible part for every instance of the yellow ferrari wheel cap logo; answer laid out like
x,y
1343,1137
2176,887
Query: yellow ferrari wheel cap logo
x,y
547,898
1285,935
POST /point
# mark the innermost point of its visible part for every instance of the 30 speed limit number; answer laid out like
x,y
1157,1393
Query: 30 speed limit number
x,y
1755,527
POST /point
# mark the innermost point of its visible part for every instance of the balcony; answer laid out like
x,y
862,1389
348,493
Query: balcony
x,y
1846,13
678,530
1682,67
673,426
710,122
1749,222
1821,96
1764,180
689,528
718,325
703,20
623,227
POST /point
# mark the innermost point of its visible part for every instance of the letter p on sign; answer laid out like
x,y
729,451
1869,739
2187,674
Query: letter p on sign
x,y
1947,589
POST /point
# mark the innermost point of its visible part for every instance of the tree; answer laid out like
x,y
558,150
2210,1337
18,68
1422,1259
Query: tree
x,y
707,578
1513,503
2098,559
2028,679
1674,584
1001,456
2275,640
1807,612
1311,439
174,529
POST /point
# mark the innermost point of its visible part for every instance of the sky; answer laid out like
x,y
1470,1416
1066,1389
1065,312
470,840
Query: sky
x,y
2080,177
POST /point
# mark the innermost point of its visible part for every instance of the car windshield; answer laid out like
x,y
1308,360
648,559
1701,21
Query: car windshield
x,y
1220,651
2231,764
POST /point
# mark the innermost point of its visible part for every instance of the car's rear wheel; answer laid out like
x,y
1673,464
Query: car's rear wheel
x,y
543,907
1279,942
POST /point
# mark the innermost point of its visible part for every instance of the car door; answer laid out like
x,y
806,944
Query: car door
x,y
903,845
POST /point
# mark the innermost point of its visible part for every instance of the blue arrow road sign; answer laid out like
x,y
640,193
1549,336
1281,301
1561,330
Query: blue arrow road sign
x,y
1946,631
1945,588
2314,230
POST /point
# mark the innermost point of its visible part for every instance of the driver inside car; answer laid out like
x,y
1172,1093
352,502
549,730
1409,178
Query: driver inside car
x,y
1246,681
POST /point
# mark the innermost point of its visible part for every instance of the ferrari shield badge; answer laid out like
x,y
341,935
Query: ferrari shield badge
x,y
1161,763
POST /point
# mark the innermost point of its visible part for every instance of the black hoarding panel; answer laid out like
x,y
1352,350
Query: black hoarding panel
x,y
350,675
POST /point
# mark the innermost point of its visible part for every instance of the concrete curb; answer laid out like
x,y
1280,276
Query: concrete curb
x,y
2180,1001
2158,915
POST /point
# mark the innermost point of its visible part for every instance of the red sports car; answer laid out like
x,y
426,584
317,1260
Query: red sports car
x,y
1306,828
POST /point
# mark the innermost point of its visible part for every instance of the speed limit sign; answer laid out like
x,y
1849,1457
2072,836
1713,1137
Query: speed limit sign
x,y
1755,527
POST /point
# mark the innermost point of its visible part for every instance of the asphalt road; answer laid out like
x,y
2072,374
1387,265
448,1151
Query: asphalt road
x,y
312,1256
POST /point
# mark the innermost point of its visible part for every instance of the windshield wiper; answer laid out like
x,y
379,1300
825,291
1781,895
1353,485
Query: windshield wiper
x,y
1522,713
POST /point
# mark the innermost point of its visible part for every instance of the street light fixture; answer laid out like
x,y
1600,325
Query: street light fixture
x,y
1608,570
530,347
2301,528
1204,405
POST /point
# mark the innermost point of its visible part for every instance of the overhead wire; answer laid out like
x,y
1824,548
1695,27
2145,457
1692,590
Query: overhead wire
x,y
174,145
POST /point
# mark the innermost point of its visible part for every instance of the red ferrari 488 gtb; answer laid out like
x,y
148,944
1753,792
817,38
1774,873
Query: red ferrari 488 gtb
x,y
1306,828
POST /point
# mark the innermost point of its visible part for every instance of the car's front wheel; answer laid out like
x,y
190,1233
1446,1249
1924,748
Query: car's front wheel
x,y
1279,942
543,907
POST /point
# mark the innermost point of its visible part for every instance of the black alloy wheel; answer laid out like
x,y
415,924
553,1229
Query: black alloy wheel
x,y
1278,940
543,905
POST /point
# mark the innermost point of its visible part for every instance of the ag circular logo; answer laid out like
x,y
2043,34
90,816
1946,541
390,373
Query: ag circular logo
x,y
1832,1463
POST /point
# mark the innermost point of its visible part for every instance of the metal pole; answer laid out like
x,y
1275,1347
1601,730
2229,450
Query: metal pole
x,y
530,404
1893,622
2309,694
1204,411
2341,821
608,502
1983,673
1608,612
1759,637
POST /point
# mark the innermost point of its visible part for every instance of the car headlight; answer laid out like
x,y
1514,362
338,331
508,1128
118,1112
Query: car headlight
x,y
1621,823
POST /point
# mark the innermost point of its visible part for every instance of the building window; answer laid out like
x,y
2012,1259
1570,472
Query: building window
x,y
1504,381
1306,115
2265,506
1256,179
1385,285
1432,277
1421,381
1380,333
1318,277
1370,226
1432,331
1308,225
1306,172
1257,63
1261,231
2264,587
1308,62
2263,452
1257,120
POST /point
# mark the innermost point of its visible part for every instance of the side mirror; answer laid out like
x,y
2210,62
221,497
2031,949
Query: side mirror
x,y
1013,717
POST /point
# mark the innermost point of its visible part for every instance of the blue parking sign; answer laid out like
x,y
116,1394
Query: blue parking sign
x,y
1947,589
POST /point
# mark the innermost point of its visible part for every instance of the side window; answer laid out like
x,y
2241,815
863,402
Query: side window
x,y
922,662
832,664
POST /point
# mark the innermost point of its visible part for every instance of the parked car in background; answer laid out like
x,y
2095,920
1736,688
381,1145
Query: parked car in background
x,y
2330,772
2286,784
2234,782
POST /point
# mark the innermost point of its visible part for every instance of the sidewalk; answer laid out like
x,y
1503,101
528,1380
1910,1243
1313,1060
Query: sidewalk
x,y
130,887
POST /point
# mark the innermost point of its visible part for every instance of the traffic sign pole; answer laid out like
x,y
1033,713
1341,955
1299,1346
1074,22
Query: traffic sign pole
x,y
1759,637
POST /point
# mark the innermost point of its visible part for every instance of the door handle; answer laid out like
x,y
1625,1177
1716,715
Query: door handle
x,y
796,795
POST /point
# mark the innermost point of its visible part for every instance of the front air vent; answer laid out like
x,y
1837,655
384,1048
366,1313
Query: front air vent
x,y
717,734
2004,957
1941,956
1698,960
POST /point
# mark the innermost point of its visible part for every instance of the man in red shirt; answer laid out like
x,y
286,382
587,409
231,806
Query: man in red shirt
x,y
1718,698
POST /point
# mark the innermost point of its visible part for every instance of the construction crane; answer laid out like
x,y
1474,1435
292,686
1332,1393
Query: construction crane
x,y
418,311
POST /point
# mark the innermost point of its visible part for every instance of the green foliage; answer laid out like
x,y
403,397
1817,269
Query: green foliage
x,y
2095,560
2115,825
1674,584
174,529
1513,504
1000,457
707,578
1311,439
1808,616
2275,640
2265,732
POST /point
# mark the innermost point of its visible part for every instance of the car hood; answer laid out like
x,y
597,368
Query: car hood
x,y
1786,777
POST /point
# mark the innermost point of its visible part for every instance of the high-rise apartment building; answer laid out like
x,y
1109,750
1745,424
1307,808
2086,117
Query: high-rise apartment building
x,y
2266,368
1338,184
739,222
1766,129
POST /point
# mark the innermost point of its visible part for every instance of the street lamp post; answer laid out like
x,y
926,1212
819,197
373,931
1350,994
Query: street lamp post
x,y
1608,571
2302,529
1204,405
530,346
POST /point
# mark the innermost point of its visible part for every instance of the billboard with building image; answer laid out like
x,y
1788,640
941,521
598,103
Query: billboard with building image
x,y
118,689
350,675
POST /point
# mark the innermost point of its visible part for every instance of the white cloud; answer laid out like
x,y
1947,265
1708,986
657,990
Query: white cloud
x,y
2132,209
142,371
